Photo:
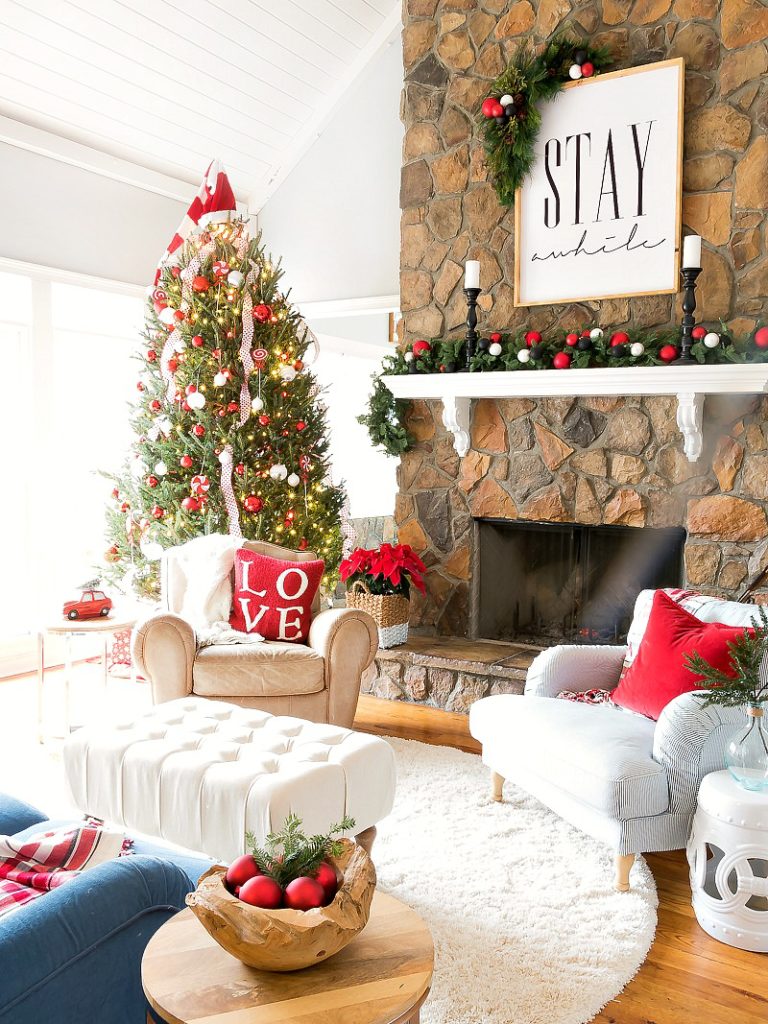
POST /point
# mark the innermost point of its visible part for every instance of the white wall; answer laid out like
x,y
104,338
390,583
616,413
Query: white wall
x,y
335,220
57,215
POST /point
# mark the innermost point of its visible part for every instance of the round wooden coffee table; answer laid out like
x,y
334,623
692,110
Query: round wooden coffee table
x,y
381,977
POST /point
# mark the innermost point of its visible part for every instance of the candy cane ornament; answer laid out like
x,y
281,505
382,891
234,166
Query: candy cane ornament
x,y
230,502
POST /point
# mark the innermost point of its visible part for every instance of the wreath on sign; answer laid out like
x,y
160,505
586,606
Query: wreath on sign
x,y
529,351
510,119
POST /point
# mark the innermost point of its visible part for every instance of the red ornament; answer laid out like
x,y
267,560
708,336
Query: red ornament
x,y
264,420
495,338
152,481
301,425
586,334
139,386
619,338
240,870
420,348
761,337
197,341
233,407
304,893
186,461
115,493
668,353
698,333
216,353
561,361
176,271
253,503
178,315
571,339
190,389
157,512
303,544
155,405
298,365
125,507
240,469
173,365
532,338
198,430
262,313
151,356
497,110
587,70
190,505
200,284
262,891
488,106
186,406
326,876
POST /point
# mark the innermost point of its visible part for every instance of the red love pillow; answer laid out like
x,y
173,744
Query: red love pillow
x,y
273,597
658,673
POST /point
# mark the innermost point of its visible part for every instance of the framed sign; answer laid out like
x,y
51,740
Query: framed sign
x,y
599,216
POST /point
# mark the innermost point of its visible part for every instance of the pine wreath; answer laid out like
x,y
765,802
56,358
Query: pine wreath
x,y
510,119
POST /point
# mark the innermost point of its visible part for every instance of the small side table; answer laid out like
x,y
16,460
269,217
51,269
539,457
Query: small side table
x,y
728,857
69,628
381,977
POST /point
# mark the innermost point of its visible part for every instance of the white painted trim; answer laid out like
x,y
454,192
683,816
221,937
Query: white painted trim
x,y
385,35
367,305
37,271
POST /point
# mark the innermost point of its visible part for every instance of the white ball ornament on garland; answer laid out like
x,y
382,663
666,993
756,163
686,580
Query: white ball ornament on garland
x,y
160,468
278,471
293,480
220,379
235,279
574,72
196,400
287,373
636,348
524,355
506,99
712,340
494,349
408,357
596,333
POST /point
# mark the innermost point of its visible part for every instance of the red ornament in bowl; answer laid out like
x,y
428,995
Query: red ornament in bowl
x,y
261,891
240,870
326,876
304,893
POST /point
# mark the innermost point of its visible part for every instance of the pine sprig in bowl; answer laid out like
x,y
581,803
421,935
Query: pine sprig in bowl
x,y
290,854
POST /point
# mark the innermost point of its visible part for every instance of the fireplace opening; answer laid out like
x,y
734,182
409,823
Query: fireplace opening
x,y
567,582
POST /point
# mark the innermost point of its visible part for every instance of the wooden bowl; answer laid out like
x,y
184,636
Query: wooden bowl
x,y
287,940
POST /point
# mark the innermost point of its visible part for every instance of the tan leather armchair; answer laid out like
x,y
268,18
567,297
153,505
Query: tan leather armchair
x,y
319,682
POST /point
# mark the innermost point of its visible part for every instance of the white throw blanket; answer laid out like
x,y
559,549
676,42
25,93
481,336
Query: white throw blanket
x,y
207,564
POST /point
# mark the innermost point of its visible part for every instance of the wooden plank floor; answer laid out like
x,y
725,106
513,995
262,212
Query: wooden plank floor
x,y
688,978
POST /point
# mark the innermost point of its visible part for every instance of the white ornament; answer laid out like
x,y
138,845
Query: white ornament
x,y
596,333
257,404
506,99
408,357
151,550
287,373
154,432
166,315
160,468
574,72
196,400
278,471
523,355
235,278
165,425
180,345
494,349
293,480
712,340
636,348
220,379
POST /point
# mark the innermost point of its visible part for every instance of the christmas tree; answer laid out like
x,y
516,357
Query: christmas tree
x,y
231,432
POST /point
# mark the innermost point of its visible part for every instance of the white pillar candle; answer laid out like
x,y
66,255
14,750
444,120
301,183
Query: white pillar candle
x,y
472,274
692,251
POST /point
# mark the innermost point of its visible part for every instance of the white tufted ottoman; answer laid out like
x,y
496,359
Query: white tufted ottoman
x,y
200,773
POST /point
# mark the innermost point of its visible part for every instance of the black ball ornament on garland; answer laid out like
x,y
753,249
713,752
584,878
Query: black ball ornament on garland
x,y
538,352
510,131
484,344
584,344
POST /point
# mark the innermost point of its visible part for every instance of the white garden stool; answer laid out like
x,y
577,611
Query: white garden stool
x,y
728,857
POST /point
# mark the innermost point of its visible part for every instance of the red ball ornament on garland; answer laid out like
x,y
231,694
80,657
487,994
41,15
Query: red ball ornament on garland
x,y
761,337
253,503
619,338
668,353
152,481
190,505
532,338
587,69
561,361
185,461
420,348
301,425
489,105
495,338
200,284
304,893
197,341
497,110
698,333
572,339
198,430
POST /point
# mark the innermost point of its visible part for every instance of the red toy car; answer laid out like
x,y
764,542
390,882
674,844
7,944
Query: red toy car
x,y
90,605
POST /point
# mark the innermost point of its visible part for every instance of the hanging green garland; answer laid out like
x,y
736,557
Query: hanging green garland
x,y
385,418
510,119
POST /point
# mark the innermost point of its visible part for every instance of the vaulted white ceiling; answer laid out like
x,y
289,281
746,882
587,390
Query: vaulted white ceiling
x,y
169,84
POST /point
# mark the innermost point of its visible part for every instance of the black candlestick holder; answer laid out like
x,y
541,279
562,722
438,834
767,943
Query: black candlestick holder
x,y
471,337
689,306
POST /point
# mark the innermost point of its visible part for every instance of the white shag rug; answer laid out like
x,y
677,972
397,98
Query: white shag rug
x,y
526,924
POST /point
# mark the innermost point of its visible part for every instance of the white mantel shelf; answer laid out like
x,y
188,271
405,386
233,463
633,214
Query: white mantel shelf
x,y
689,384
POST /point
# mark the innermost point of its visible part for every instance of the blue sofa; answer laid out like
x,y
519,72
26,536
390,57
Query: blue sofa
x,y
73,956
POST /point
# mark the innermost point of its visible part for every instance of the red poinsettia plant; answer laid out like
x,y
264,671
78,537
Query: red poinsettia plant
x,y
389,569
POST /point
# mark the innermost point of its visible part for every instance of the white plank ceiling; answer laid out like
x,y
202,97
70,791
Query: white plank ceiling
x,y
169,84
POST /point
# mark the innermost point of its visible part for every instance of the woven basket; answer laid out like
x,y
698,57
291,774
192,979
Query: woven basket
x,y
390,612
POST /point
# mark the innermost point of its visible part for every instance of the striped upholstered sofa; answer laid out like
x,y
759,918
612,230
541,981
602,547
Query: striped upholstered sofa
x,y
624,779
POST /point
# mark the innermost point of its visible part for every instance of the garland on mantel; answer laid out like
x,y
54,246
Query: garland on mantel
x,y
510,119
529,351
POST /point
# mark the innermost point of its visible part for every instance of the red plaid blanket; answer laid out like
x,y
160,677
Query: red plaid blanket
x,y
48,859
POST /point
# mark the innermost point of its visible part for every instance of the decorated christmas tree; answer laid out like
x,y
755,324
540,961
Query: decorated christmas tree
x,y
231,433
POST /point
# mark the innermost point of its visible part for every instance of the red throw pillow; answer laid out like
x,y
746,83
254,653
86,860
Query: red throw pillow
x,y
273,597
658,673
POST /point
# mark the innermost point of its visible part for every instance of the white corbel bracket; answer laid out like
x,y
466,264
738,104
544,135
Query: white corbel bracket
x,y
456,419
690,407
